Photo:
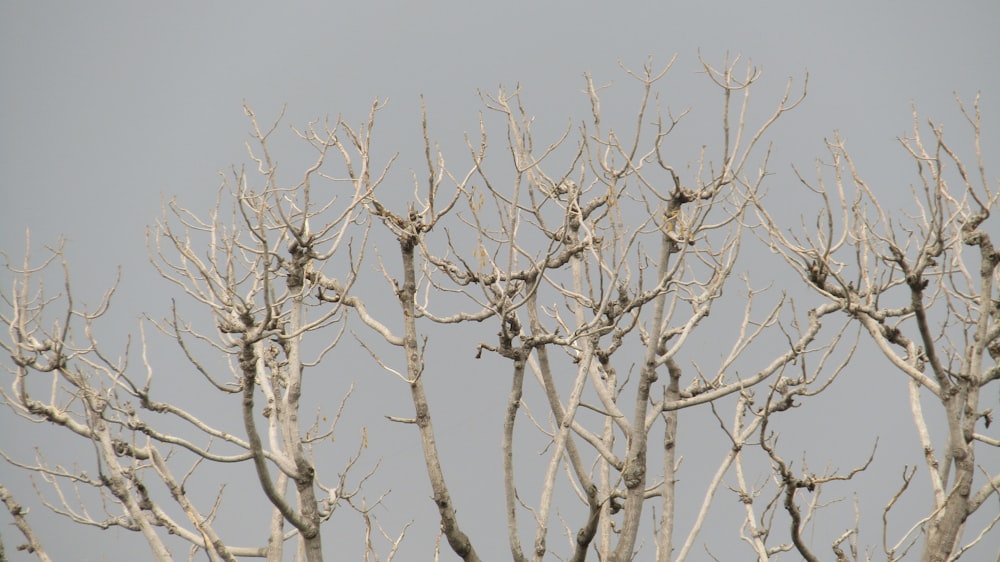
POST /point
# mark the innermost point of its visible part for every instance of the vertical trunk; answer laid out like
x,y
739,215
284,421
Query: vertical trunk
x,y
457,539
276,538
666,539
510,490
305,472
606,484
962,408
634,472
585,536
307,522
945,528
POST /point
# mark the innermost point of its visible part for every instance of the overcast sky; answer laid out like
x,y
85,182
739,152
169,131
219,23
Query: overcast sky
x,y
106,108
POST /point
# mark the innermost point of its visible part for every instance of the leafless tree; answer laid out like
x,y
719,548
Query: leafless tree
x,y
923,285
253,271
580,288
594,261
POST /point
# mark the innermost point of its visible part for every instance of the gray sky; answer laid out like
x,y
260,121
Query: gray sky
x,y
106,108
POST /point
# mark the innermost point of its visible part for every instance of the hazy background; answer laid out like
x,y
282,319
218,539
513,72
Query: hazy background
x,y
107,108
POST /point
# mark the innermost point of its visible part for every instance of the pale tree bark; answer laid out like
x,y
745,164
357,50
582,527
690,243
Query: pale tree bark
x,y
256,276
571,238
596,261
940,268
409,229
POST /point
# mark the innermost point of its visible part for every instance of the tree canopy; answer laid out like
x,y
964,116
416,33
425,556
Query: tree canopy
x,y
630,308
